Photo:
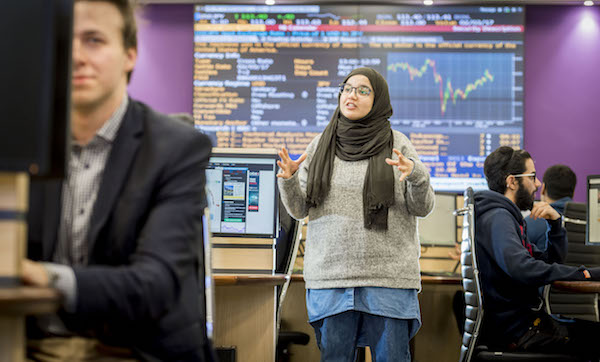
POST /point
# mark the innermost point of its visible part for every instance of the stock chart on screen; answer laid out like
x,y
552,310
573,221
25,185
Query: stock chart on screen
x,y
268,76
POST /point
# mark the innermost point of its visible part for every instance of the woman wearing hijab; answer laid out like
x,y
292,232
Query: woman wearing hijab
x,y
362,186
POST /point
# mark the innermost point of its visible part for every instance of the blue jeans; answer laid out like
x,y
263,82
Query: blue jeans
x,y
339,335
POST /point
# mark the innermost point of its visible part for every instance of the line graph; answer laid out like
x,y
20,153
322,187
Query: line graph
x,y
451,86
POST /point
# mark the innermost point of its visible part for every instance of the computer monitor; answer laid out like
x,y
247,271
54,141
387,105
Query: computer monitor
x,y
439,227
592,231
35,85
241,189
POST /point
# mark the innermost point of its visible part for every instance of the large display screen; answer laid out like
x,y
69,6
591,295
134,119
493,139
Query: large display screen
x,y
268,76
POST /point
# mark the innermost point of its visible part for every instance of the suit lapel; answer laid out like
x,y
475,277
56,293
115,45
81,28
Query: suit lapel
x,y
117,168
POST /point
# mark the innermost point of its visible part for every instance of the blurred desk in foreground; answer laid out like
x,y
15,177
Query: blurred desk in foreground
x,y
577,286
15,304
245,310
28,300
17,301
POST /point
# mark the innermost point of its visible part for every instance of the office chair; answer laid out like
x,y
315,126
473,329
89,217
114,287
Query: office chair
x,y
572,305
206,299
575,221
470,349
286,250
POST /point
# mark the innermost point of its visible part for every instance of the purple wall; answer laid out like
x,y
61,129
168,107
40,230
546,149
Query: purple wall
x,y
562,84
562,89
163,74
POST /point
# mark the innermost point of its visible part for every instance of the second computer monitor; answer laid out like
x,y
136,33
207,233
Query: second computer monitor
x,y
439,227
593,210
242,193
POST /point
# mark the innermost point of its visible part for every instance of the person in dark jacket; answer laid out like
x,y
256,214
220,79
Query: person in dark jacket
x,y
558,187
118,238
512,269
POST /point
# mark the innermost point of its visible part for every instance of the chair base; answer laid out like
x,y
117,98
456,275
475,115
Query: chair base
x,y
482,354
286,338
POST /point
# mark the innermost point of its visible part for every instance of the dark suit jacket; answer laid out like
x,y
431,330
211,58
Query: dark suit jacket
x,y
141,286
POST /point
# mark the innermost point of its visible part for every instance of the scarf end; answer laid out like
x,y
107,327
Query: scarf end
x,y
376,218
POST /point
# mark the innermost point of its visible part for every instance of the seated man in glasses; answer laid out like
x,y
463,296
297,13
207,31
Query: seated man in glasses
x,y
558,187
512,269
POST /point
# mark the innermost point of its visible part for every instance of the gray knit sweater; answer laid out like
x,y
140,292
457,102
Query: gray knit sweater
x,y
340,252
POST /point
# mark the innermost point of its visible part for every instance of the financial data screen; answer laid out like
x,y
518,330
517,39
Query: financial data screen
x,y
268,76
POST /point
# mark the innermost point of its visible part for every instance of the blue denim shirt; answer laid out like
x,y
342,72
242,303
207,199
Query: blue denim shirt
x,y
537,230
385,302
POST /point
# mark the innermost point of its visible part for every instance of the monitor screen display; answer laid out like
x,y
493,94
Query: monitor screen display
x,y
593,202
268,76
439,227
35,86
242,196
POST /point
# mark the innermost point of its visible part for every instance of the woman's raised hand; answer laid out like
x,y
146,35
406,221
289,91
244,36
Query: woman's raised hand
x,y
405,165
287,166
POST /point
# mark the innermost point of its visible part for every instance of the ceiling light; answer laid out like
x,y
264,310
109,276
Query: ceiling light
x,y
428,2
270,2
588,3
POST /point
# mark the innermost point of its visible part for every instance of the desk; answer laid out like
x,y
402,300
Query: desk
x,y
425,279
28,300
249,279
577,286
445,280
438,339
15,303
244,315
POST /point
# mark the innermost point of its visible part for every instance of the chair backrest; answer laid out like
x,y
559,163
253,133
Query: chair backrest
x,y
284,244
206,299
575,220
573,305
470,277
205,274
581,306
286,248
293,240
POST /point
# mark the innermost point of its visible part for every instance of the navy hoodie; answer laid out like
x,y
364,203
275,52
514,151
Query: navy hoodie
x,y
512,269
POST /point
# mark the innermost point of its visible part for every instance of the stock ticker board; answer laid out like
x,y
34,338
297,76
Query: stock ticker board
x,y
268,76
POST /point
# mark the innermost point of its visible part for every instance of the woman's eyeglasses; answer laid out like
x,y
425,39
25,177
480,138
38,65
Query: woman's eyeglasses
x,y
361,91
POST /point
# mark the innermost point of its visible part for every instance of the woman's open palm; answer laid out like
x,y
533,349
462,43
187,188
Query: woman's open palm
x,y
288,167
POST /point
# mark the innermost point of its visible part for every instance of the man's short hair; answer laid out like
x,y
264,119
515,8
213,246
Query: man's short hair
x,y
560,182
129,30
502,162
